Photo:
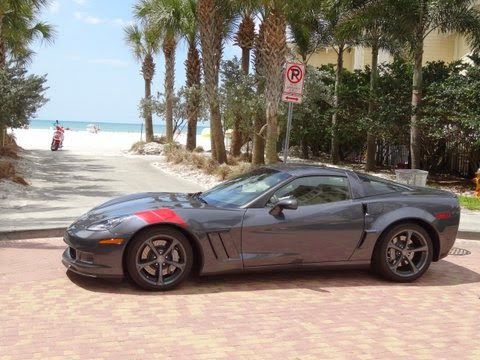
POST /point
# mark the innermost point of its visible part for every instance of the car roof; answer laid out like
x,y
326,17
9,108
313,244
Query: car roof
x,y
305,169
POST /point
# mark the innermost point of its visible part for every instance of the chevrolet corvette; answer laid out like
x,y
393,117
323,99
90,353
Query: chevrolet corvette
x,y
275,217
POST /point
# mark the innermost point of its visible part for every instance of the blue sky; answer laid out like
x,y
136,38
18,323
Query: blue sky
x,y
91,73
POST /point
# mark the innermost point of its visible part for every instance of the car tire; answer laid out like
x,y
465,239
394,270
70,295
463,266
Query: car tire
x,y
403,254
149,253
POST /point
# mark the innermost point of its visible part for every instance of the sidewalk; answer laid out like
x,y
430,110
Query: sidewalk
x,y
65,185
469,225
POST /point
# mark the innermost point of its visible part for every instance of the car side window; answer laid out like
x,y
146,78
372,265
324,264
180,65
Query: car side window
x,y
374,186
314,190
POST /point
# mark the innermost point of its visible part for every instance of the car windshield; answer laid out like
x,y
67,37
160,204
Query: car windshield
x,y
245,188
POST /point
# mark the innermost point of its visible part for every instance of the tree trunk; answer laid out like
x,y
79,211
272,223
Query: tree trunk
x,y
246,61
218,141
273,59
334,151
304,147
416,100
148,115
193,70
3,54
211,30
3,47
192,131
271,153
371,141
169,52
258,150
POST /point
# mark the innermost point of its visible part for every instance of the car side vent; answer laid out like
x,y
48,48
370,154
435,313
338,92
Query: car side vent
x,y
223,246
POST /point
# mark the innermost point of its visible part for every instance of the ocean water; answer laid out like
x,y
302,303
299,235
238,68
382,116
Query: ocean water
x,y
158,129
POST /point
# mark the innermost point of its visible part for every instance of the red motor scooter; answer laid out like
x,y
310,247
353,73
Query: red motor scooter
x,y
57,141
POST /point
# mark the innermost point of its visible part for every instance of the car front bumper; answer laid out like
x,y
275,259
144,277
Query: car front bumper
x,y
85,256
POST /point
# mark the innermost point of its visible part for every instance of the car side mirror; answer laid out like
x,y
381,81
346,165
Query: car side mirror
x,y
288,204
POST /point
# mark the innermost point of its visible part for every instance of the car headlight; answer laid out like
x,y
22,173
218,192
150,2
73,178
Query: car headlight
x,y
108,224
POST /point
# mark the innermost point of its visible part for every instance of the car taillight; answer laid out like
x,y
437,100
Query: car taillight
x,y
443,215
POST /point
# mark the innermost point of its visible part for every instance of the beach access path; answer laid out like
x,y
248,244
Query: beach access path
x,y
67,183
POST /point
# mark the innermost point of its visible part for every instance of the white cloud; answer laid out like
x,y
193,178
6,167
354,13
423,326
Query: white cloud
x,y
54,7
86,18
94,20
110,62
122,22
80,2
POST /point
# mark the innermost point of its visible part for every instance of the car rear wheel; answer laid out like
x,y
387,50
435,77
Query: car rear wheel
x,y
403,254
159,259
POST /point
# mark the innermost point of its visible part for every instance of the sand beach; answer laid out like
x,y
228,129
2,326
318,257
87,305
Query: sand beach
x,y
84,142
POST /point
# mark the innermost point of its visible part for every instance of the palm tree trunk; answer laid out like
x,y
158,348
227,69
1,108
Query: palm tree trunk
x,y
211,38
416,100
258,150
246,61
3,54
371,141
169,52
336,102
148,115
193,70
273,59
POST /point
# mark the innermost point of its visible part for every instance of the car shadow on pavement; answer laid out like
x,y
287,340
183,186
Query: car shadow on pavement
x,y
443,273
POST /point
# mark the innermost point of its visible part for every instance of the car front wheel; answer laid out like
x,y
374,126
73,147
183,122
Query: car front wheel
x,y
404,253
159,259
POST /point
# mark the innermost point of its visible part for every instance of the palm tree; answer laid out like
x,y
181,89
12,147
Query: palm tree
x,y
214,17
144,44
19,28
303,25
333,27
245,39
423,17
378,30
272,51
166,18
193,69
258,148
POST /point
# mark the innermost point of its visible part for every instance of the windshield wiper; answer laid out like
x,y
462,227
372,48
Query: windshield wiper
x,y
198,196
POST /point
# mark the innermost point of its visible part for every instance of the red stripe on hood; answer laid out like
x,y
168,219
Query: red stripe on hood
x,y
161,216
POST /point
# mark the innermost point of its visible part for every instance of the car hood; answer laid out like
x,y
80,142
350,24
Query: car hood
x,y
131,204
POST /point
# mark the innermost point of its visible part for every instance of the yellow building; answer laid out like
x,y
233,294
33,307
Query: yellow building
x,y
438,47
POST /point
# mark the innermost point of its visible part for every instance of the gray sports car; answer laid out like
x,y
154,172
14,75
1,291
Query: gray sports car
x,y
275,217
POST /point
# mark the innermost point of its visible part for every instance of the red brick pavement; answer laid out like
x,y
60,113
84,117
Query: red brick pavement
x,y
346,314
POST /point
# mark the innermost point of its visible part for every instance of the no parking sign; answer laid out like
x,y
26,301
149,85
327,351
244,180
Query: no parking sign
x,y
292,94
293,86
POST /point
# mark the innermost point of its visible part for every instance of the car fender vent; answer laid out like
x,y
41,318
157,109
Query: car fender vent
x,y
223,246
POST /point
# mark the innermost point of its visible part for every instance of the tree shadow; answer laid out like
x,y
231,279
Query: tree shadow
x,y
443,273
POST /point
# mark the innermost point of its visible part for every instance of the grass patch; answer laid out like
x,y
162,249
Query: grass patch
x,y
177,155
7,171
469,202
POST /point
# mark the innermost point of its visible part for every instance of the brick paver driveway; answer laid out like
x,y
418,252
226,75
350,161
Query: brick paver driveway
x,y
46,313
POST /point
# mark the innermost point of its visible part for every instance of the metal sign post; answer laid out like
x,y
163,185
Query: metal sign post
x,y
289,129
292,93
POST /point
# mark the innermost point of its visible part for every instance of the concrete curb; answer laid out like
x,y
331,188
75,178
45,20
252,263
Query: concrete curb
x,y
32,234
468,235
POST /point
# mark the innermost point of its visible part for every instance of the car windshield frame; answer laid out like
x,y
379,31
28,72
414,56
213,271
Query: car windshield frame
x,y
259,181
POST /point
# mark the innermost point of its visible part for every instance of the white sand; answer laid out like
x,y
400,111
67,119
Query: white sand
x,y
83,142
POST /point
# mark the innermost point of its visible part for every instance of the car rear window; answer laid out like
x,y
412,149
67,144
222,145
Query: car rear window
x,y
372,186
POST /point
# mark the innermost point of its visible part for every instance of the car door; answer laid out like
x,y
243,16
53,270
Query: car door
x,y
326,226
